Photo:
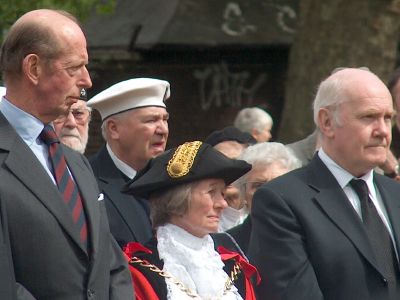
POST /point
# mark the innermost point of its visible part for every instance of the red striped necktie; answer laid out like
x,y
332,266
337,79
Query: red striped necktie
x,y
65,183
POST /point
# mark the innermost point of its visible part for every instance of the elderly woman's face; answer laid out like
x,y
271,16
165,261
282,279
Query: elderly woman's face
x,y
260,175
207,203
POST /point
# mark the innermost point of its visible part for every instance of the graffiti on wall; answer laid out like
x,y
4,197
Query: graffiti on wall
x,y
218,86
235,24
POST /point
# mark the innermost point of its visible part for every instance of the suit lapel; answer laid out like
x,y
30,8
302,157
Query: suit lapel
x,y
392,206
34,177
334,202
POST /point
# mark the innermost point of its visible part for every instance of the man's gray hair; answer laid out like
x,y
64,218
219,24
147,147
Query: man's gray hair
x,y
332,92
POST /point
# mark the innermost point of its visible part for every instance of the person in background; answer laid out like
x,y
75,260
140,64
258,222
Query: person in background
x,y
331,230
231,142
135,128
60,240
391,166
306,148
394,88
255,121
185,187
73,129
269,160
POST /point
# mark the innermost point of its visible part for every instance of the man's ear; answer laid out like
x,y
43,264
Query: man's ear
x,y
32,68
255,133
326,122
112,129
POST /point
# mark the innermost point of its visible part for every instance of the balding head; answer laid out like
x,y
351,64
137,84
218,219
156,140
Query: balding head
x,y
43,60
353,111
345,84
36,32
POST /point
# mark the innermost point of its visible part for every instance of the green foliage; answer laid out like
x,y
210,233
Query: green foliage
x,y
11,10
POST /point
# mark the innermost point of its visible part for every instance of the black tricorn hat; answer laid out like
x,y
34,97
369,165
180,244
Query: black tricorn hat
x,y
230,133
188,162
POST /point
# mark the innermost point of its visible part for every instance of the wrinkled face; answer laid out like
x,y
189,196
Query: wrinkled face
x,y
62,79
73,129
233,197
360,138
205,207
142,134
263,135
259,175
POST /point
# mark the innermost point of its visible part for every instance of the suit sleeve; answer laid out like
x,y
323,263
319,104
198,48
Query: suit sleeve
x,y
277,248
121,287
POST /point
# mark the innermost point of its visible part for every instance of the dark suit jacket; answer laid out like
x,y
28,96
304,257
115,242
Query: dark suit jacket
x,y
48,257
241,234
308,241
129,217
9,289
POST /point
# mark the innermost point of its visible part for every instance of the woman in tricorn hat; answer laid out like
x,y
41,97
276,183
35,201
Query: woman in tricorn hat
x,y
185,188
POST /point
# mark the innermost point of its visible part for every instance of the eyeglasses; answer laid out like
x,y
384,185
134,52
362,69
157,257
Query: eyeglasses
x,y
81,115
254,185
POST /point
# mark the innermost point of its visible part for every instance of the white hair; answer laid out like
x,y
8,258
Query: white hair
x,y
252,118
332,92
265,154
104,130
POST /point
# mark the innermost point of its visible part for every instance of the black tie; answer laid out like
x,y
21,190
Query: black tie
x,y
379,237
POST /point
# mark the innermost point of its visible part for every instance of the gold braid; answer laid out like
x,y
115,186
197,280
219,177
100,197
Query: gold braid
x,y
228,284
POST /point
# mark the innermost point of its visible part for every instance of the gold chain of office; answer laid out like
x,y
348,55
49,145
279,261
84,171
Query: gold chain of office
x,y
228,284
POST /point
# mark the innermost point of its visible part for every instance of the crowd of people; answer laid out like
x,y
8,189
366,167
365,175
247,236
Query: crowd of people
x,y
235,216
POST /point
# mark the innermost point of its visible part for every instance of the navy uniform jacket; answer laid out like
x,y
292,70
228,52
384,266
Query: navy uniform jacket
x,y
308,241
128,217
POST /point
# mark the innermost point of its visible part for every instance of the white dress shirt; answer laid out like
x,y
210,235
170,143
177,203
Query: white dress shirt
x,y
343,178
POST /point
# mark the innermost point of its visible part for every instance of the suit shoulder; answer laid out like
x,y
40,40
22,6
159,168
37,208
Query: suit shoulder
x,y
297,176
97,159
387,181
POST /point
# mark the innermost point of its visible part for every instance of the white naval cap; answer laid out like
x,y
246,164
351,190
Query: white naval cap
x,y
130,94
2,91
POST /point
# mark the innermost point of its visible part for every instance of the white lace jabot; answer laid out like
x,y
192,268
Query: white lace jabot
x,y
194,262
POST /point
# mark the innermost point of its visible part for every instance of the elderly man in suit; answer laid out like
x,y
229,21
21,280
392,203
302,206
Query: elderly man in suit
x,y
135,127
331,230
59,234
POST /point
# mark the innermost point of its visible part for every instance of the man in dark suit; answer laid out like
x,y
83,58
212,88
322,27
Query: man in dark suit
x,y
9,289
331,230
135,127
58,252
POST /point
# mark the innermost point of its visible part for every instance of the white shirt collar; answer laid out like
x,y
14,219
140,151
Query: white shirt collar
x,y
123,167
342,176
27,126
